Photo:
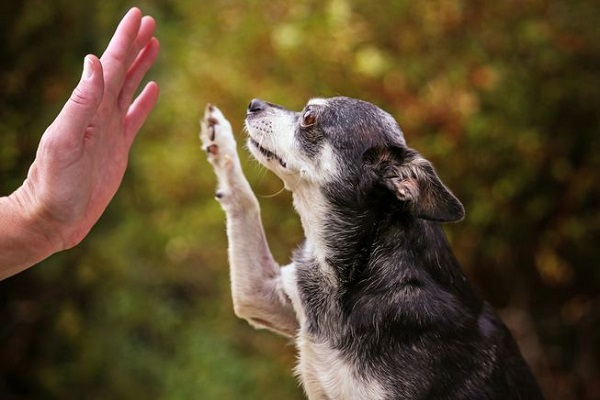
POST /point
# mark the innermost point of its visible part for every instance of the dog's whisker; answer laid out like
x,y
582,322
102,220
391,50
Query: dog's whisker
x,y
269,196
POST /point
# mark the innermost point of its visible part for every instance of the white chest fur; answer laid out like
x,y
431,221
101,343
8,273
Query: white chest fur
x,y
327,375
323,370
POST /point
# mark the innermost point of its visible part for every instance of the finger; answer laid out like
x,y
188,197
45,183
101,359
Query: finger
x,y
140,109
84,101
136,73
145,34
116,55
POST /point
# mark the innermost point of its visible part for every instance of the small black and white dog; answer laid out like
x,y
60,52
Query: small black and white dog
x,y
374,297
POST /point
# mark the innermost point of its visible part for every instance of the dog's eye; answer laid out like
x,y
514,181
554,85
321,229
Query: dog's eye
x,y
309,118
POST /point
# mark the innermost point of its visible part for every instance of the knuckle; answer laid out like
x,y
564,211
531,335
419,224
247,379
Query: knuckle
x,y
83,97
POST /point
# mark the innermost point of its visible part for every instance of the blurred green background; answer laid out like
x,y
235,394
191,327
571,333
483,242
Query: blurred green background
x,y
503,97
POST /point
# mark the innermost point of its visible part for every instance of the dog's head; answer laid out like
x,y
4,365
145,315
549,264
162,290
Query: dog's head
x,y
350,148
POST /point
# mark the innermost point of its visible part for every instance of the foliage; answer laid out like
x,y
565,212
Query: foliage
x,y
503,97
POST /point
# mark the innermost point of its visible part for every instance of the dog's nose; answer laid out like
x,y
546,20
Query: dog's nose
x,y
256,105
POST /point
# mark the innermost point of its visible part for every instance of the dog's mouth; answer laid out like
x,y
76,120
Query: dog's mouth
x,y
269,155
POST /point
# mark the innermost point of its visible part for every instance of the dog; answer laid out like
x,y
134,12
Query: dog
x,y
374,297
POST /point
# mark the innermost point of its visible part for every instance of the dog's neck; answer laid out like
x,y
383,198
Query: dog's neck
x,y
339,239
312,208
343,236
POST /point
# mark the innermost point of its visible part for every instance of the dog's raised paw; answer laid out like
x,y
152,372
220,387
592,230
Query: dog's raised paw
x,y
216,136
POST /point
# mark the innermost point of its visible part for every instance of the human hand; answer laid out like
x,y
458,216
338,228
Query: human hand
x,y
83,154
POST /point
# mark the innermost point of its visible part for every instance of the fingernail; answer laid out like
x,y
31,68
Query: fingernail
x,y
88,71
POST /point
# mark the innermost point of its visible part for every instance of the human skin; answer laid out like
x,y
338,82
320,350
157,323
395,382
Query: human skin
x,y
83,154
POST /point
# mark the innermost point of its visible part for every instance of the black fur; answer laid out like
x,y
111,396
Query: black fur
x,y
402,311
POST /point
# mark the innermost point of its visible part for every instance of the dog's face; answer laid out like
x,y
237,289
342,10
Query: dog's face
x,y
349,144
315,143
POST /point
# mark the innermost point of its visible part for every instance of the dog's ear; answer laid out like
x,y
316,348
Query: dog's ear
x,y
414,181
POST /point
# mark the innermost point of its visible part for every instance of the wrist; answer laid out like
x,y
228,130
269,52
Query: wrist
x,y
25,239
27,204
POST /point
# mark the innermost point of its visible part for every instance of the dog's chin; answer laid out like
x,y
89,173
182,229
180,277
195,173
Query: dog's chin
x,y
265,156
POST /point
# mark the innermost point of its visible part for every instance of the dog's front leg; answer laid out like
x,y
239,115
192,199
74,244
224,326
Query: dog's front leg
x,y
256,284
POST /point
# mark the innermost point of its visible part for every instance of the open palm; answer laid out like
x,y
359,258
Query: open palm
x,y
83,154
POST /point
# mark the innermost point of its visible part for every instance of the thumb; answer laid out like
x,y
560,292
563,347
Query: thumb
x,y
85,99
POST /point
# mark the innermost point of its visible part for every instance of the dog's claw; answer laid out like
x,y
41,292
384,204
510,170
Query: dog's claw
x,y
212,149
211,122
217,140
215,133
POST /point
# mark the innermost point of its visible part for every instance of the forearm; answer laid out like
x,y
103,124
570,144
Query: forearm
x,y
257,287
22,241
